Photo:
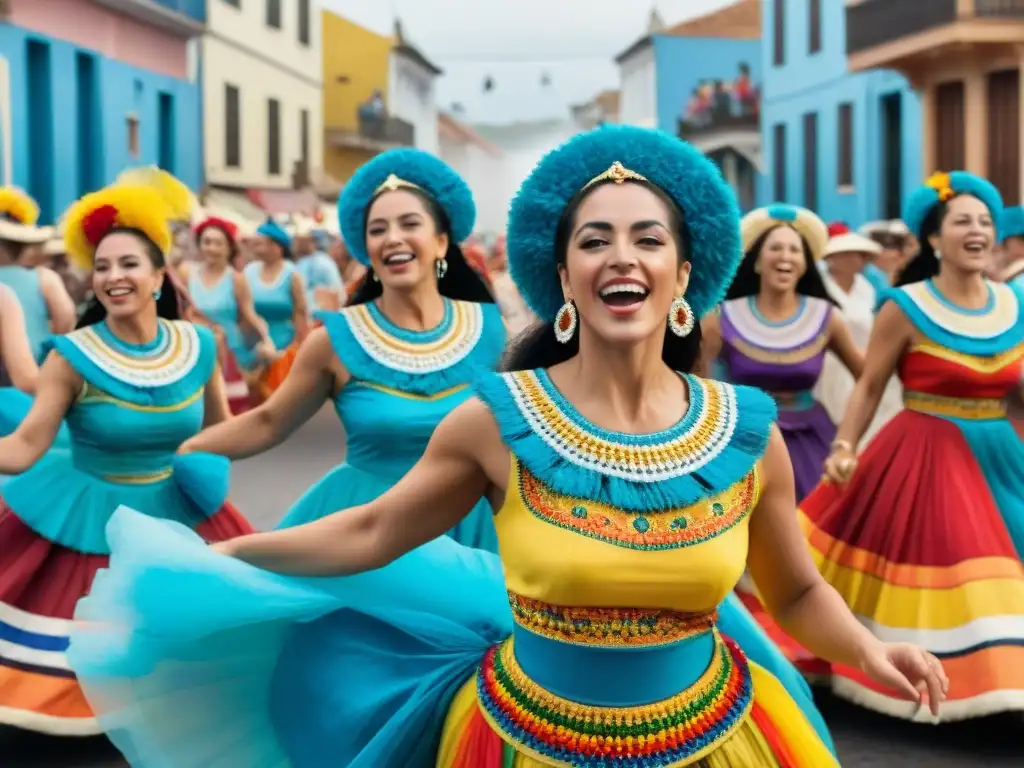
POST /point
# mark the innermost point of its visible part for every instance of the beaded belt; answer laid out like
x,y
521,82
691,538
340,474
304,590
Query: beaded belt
x,y
675,731
610,627
955,407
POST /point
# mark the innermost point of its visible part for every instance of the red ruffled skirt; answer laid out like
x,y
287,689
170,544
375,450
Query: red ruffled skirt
x,y
921,552
40,583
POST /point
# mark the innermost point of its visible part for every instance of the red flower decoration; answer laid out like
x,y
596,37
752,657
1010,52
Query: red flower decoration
x,y
98,222
231,230
837,228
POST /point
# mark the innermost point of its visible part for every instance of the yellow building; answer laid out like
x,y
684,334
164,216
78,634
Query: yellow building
x,y
357,120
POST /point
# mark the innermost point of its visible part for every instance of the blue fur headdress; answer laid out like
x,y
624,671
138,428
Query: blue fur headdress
x,y
399,168
708,205
271,230
1011,222
941,187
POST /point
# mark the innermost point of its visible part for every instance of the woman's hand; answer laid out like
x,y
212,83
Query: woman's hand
x,y
909,669
266,351
841,463
228,548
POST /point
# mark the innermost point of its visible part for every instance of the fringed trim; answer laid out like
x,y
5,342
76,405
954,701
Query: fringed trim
x,y
170,372
989,333
470,340
718,442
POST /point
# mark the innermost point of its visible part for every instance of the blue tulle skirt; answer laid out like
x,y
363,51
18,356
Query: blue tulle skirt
x,y
192,659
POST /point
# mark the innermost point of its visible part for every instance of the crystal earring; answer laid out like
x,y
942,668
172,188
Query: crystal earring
x,y
374,276
157,294
938,254
565,322
441,267
680,317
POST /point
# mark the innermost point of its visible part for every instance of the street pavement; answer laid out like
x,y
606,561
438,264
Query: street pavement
x,y
264,487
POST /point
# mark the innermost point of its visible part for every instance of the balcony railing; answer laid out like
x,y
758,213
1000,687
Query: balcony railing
x,y
387,129
194,9
876,22
694,130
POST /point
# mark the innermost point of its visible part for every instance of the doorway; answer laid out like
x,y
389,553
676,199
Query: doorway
x,y
166,139
892,155
41,176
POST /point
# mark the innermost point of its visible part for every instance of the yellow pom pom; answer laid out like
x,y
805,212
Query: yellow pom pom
x,y
941,183
18,205
177,196
122,205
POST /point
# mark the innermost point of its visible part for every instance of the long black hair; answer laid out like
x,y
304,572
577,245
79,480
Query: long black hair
x,y
748,282
460,282
168,305
537,347
925,264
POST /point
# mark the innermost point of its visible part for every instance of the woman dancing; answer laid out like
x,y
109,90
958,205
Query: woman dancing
x,y
628,493
223,301
776,325
401,356
922,534
131,383
279,295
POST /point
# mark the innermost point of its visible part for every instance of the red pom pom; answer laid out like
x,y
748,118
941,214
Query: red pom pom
x,y
231,230
97,223
837,228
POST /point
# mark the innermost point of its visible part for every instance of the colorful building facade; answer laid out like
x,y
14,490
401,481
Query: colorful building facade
x,y
701,80
845,144
965,59
88,89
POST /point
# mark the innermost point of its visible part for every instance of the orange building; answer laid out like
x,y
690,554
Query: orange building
x,y
964,57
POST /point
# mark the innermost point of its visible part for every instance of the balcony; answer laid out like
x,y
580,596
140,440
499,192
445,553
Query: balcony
x,y
912,35
185,18
376,133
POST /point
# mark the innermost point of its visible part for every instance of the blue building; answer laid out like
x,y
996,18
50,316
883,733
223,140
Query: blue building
x,y
701,80
845,145
90,88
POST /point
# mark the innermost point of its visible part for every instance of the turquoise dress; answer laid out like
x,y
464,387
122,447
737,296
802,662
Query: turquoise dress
x,y
218,303
274,302
402,384
137,404
199,660
319,271
24,283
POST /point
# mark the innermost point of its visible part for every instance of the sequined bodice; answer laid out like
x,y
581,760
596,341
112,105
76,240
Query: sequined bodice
x,y
779,357
965,363
119,433
402,383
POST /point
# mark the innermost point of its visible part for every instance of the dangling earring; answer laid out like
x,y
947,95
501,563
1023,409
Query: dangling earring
x,y
158,293
441,267
374,276
680,317
565,322
938,254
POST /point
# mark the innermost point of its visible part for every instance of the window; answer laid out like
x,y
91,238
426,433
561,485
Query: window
x,y
274,13
811,161
779,33
844,168
779,157
304,135
232,127
304,22
134,144
273,137
814,26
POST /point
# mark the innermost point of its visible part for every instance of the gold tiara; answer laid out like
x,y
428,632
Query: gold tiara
x,y
392,182
617,173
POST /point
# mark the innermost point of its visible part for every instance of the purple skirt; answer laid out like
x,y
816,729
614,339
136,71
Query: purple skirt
x,y
808,433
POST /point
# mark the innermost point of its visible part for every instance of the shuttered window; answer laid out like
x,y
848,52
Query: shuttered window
x,y
273,137
1004,133
779,33
811,161
232,127
779,157
949,127
844,141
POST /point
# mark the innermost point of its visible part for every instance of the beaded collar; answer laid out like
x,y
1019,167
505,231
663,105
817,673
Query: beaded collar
x,y
376,351
990,330
716,443
168,359
802,329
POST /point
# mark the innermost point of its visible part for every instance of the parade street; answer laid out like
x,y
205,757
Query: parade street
x,y
266,485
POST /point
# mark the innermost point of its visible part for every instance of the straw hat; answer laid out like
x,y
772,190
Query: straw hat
x,y
18,216
851,242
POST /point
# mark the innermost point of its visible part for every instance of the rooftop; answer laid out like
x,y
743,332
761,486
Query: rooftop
x,y
739,21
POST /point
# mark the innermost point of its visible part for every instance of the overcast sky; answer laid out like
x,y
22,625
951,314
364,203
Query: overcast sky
x,y
517,43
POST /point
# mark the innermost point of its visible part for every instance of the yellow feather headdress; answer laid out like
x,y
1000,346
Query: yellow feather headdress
x,y
146,199
18,206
